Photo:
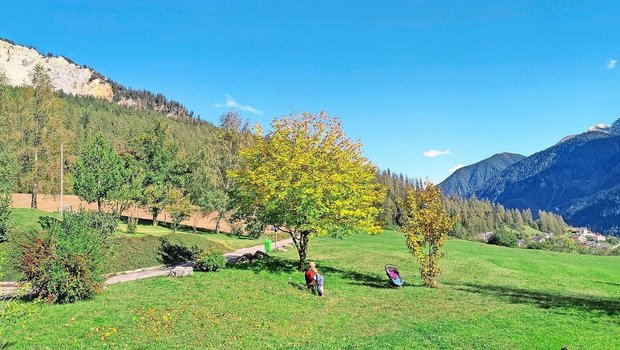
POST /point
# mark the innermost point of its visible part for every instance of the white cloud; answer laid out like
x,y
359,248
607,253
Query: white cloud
x,y
612,64
455,168
432,153
231,103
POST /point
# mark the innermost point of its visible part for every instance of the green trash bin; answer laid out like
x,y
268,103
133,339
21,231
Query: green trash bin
x,y
267,245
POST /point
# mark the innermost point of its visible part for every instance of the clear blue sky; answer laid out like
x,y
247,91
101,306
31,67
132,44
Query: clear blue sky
x,y
404,76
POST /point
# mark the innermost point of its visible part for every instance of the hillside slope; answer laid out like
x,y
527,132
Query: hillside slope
x,y
465,181
578,178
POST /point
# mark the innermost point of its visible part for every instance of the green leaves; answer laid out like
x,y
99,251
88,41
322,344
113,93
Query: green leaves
x,y
99,172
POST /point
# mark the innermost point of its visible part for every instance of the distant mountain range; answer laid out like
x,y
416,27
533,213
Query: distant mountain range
x,y
466,180
579,178
17,62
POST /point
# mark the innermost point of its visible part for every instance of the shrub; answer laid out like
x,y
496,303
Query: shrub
x,y
5,216
211,261
132,225
64,263
504,238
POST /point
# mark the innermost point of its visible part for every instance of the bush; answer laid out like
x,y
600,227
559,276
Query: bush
x,y
132,225
5,217
64,263
211,261
504,238
559,244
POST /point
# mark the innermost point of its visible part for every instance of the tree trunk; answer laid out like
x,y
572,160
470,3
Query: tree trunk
x,y
218,223
301,244
155,213
35,182
35,165
33,200
304,236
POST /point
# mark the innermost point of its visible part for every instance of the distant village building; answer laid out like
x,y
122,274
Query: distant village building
x,y
580,239
583,231
583,235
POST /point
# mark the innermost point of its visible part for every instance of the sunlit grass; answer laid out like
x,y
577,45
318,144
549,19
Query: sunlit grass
x,y
490,298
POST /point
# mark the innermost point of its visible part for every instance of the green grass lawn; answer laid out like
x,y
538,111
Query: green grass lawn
x,y
490,298
129,251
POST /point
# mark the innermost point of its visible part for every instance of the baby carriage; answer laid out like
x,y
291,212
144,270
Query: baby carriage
x,y
392,272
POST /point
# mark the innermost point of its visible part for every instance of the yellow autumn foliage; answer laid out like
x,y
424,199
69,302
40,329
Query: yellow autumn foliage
x,y
307,178
426,230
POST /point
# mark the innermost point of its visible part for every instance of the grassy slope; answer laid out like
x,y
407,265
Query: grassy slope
x,y
491,298
129,251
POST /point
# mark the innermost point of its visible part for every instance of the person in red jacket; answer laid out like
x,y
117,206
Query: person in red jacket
x,y
311,277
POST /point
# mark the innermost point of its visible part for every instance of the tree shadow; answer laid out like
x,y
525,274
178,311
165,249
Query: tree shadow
x,y
171,254
608,283
278,265
546,300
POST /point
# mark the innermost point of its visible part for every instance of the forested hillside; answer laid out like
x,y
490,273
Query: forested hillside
x,y
165,163
74,120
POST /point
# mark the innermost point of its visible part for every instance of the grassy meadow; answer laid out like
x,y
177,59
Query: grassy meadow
x,y
490,298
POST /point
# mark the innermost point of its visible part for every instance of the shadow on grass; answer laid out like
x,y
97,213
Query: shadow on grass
x,y
546,300
278,265
171,253
608,283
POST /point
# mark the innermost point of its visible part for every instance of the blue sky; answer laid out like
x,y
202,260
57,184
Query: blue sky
x,y
406,77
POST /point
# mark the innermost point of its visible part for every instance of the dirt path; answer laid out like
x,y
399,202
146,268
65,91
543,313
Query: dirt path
x,y
7,288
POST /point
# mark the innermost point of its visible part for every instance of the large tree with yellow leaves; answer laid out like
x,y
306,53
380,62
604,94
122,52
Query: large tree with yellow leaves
x,y
307,178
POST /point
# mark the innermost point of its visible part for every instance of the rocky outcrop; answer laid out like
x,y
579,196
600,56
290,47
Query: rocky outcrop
x,y
17,63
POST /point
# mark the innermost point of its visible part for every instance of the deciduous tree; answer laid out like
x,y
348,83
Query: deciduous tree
x,y
426,230
159,168
41,135
177,206
307,178
99,172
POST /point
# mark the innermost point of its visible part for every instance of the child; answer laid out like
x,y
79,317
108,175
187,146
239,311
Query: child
x,y
311,278
319,280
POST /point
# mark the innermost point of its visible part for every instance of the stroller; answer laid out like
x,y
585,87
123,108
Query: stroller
x,y
392,272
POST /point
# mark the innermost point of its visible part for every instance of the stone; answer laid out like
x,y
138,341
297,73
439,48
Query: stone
x,y
181,271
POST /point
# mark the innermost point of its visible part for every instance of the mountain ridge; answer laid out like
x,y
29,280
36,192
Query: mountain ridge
x,y
18,61
464,181
578,178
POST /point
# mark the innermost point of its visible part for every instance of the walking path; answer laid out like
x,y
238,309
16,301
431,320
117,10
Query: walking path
x,y
7,288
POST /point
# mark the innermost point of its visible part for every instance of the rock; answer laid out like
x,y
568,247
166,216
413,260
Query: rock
x,y
181,271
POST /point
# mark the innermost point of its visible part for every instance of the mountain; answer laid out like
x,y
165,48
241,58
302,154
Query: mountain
x,y
578,178
465,181
17,62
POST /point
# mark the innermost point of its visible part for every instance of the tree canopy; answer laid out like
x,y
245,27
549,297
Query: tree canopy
x,y
99,172
307,178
